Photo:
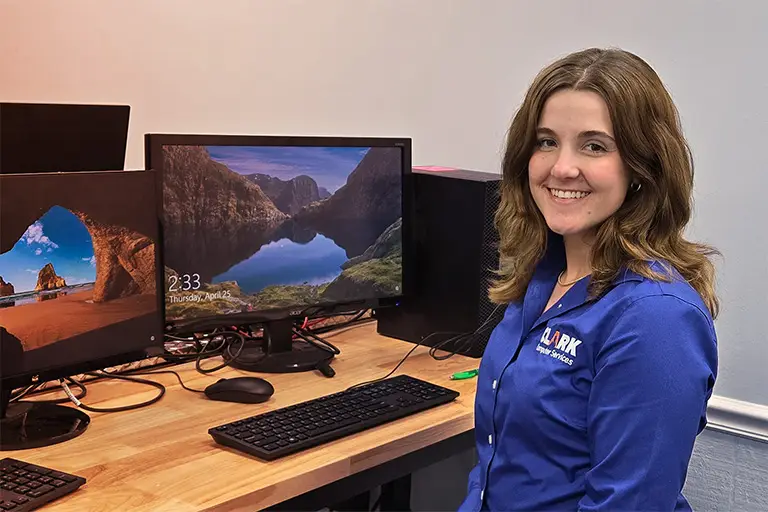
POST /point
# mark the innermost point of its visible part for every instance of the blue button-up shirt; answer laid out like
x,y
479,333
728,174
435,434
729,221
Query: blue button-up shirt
x,y
592,404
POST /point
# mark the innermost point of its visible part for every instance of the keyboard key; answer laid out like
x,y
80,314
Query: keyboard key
x,y
37,469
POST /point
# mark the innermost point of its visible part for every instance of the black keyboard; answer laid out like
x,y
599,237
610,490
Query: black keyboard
x,y
28,487
277,433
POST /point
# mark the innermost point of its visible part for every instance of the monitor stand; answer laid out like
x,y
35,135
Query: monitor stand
x,y
278,352
25,425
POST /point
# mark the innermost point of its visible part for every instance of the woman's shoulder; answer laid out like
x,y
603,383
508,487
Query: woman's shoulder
x,y
659,321
661,299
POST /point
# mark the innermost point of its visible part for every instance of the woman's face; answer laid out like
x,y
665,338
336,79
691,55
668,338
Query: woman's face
x,y
576,175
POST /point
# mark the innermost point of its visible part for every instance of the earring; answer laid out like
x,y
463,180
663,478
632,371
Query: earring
x,y
635,186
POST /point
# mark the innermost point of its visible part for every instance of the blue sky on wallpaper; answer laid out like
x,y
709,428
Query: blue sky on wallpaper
x,y
58,237
329,167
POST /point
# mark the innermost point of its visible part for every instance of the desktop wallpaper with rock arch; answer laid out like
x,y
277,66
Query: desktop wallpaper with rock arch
x,y
77,263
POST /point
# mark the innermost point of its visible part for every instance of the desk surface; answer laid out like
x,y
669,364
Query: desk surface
x,y
161,458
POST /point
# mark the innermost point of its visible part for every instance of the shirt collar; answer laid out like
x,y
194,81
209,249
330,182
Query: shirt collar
x,y
543,282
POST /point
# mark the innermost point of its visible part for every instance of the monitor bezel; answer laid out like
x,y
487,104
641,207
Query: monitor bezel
x,y
153,154
155,348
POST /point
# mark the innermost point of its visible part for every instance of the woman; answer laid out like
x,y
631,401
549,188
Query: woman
x,y
594,385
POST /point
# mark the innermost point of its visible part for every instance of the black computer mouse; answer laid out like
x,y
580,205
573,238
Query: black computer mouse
x,y
243,390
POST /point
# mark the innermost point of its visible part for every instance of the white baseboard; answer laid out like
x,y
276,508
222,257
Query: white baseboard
x,y
738,418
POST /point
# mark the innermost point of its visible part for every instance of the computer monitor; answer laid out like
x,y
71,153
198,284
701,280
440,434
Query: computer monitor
x,y
264,230
79,288
55,137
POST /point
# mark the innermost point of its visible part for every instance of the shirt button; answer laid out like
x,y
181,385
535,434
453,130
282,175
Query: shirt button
x,y
490,439
494,384
482,493
559,305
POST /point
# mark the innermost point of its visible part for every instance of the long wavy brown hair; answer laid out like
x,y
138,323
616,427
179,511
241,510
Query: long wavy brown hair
x,y
650,223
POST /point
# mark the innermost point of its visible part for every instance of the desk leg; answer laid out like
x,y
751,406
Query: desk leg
x,y
396,495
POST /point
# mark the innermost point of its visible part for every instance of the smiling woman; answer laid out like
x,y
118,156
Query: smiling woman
x,y
576,175
588,121
594,386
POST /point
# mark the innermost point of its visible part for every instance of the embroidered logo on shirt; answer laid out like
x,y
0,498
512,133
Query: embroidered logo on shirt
x,y
558,345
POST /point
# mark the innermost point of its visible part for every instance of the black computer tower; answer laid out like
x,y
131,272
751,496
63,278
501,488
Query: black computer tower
x,y
453,252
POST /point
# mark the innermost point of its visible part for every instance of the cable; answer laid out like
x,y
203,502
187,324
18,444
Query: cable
x,y
316,341
81,405
356,320
72,381
415,346
33,390
178,377
471,339
357,316
311,335
187,339
28,390
225,347
457,336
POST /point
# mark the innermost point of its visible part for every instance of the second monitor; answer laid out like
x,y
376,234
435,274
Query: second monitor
x,y
265,230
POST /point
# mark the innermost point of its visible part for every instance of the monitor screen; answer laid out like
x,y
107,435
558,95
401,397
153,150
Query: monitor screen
x,y
259,228
55,137
78,271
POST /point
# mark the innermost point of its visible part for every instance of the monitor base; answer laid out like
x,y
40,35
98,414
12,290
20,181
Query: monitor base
x,y
36,424
301,358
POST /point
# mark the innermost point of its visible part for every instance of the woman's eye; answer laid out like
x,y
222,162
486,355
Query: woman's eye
x,y
545,143
595,148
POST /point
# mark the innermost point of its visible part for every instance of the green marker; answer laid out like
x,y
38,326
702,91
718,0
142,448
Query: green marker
x,y
464,375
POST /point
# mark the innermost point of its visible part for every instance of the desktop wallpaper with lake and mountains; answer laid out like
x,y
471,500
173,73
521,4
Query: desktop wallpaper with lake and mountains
x,y
258,228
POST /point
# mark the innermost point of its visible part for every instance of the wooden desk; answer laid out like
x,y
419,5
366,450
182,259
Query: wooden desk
x,y
161,458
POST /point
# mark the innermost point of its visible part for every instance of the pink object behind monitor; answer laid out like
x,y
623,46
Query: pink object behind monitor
x,y
434,168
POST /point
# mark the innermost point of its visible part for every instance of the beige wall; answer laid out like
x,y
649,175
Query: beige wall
x,y
448,73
